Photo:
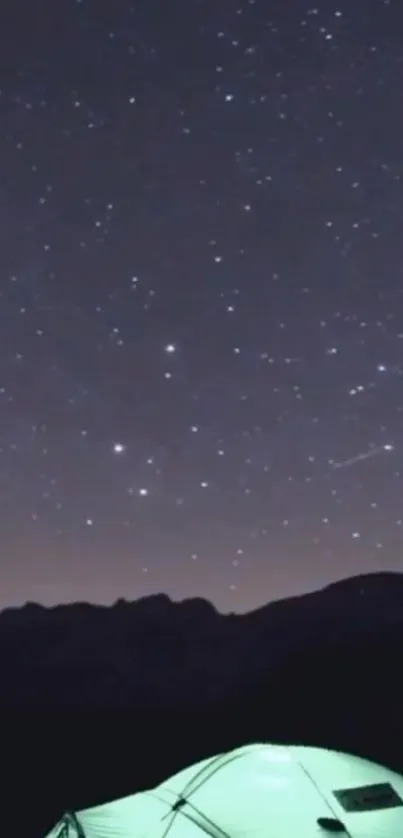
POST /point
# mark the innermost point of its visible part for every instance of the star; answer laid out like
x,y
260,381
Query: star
x,y
201,303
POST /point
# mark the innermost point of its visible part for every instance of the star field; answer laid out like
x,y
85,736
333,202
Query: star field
x,y
201,319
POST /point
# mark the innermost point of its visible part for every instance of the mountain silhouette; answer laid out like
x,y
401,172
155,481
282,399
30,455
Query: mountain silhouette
x,y
99,702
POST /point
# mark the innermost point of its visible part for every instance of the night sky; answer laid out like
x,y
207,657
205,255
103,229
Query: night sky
x,y
201,310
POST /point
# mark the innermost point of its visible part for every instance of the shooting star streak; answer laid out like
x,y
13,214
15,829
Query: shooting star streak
x,y
365,456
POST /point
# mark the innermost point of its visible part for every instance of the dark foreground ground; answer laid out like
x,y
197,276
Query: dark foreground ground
x,y
100,703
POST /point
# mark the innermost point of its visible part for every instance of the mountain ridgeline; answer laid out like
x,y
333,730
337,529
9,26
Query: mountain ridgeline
x,y
100,702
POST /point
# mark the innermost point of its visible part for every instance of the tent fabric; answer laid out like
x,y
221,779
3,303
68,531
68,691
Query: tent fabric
x,y
261,791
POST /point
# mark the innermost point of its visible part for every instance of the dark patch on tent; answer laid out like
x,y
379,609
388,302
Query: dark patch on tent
x,y
368,798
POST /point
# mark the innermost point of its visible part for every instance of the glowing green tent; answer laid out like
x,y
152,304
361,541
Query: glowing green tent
x,y
262,791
